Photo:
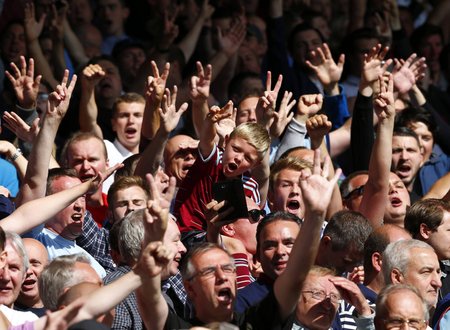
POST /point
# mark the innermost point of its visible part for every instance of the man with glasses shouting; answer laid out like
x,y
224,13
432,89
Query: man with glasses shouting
x,y
210,279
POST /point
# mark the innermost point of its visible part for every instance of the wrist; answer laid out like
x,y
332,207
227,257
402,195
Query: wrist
x,y
331,89
14,154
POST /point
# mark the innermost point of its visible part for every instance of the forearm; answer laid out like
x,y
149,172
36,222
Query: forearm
x,y
362,135
41,64
59,62
35,181
376,189
152,155
107,297
151,120
189,42
88,113
207,136
288,285
199,111
152,306
26,218
74,45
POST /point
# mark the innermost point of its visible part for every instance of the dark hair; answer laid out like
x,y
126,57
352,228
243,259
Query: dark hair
x,y
427,211
273,217
405,131
348,229
56,173
300,28
129,166
125,44
237,88
412,115
422,32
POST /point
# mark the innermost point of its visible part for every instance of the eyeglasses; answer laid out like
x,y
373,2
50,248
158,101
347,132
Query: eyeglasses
x,y
208,272
355,192
320,295
255,214
395,324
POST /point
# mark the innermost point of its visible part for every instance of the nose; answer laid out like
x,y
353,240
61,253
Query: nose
x,y
85,164
78,205
181,248
220,275
436,280
281,250
5,276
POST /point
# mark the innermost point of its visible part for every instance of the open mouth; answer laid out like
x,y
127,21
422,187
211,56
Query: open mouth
x,y
293,206
77,217
28,284
225,295
396,202
403,170
130,131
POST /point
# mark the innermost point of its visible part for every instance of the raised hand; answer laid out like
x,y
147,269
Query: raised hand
x,y
351,293
308,105
217,114
168,111
326,69
58,101
226,126
230,42
200,84
384,102
96,181
318,126
316,188
20,128
357,275
26,87
33,28
92,75
408,72
374,65
154,258
156,84
265,109
284,116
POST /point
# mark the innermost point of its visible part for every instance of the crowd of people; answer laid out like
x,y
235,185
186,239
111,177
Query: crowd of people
x,y
225,164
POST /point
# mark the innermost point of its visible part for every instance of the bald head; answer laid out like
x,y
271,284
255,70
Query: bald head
x,y
179,156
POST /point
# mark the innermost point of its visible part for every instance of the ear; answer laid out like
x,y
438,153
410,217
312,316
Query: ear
x,y
376,261
424,231
3,256
396,276
326,241
228,230
227,139
113,124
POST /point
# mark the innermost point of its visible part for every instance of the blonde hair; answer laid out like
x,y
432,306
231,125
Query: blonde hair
x,y
291,163
255,135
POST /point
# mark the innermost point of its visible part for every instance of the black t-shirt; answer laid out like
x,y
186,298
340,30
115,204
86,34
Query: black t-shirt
x,y
264,315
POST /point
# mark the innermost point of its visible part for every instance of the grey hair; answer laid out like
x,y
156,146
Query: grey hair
x,y
397,256
17,244
187,269
131,235
384,294
58,275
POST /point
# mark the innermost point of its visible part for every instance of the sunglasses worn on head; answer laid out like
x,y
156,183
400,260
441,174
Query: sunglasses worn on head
x,y
355,193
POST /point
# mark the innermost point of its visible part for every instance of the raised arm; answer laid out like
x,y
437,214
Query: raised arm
x,y
152,306
33,29
88,111
155,87
199,93
35,181
152,155
208,132
376,189
316,191
25,218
